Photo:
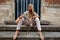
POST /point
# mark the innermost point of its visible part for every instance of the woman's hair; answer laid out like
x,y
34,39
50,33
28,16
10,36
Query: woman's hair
x,y
31,6
32,9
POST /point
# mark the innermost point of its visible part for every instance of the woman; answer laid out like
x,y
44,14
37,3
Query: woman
x,y
29,17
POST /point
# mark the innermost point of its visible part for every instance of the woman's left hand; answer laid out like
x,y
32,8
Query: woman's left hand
x,y
30,19
34,17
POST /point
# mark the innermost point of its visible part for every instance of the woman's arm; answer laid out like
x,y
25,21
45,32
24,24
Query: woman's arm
x,y
20,17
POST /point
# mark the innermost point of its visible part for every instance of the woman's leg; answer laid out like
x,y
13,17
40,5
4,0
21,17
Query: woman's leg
x,y
18,28
39,28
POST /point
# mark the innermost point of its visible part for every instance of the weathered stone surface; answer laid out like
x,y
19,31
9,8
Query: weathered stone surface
x,y
7,11
30,35
51,14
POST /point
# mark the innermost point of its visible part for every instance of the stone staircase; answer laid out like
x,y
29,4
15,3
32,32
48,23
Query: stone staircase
x,y
50,32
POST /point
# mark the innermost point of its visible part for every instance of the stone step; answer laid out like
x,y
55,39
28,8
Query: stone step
x,y
30,35
13,22
51,28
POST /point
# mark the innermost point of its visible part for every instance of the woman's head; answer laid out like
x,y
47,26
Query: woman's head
x,y
30,8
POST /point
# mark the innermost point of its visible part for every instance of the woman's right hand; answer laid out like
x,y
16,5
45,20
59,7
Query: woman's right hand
x,y
20,17
17,20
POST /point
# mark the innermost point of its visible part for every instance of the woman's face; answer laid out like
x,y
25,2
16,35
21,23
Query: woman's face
x,y
30,8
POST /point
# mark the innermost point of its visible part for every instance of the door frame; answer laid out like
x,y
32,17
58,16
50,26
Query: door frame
x,y
16,9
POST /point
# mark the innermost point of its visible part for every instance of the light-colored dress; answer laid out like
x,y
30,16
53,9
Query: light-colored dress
x,y
26,21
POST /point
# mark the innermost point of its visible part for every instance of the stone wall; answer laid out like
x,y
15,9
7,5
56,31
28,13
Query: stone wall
x,y
51,14
53,1
7,11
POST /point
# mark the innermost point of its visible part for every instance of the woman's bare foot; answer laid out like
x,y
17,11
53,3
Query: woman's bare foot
x,y
14,37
